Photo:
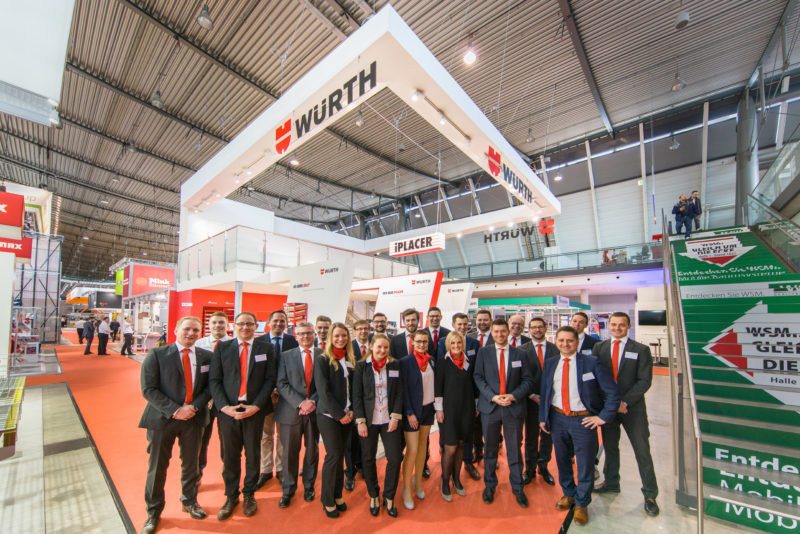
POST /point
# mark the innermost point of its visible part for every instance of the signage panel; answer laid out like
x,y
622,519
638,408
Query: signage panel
x,y
417,245
323,286
118,285
11,209
146,278
21,248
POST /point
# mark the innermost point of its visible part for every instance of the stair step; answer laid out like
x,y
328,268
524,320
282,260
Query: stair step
x,y
769,433
746,414
766,507
748,471
745,392
711,441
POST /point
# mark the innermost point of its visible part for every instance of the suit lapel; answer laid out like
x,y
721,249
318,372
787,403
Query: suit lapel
x,y
174,356
622,358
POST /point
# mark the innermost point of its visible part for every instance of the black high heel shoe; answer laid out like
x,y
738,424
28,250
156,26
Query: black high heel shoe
x,y
376,508
331,513
391,511
341,507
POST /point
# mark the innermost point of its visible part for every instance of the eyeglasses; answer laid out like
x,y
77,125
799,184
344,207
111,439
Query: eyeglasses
x,y
245,325
362,329
421,341
304,334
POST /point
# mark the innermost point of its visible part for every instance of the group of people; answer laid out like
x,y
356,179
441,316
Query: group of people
x,y
106,331
686,211
485,387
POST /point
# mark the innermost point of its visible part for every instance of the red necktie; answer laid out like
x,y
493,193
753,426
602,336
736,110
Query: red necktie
x,y
481,340
502,373
411,344
615,359
187,375
565,387
541,356
513,341
243,370
322,345
309,370
436,338
363,351
215,345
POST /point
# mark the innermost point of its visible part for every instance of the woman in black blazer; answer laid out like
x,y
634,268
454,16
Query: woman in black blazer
x,y
378,408
332,376
416,371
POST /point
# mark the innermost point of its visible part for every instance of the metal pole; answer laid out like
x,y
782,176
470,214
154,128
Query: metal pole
x,y
237,301
746,154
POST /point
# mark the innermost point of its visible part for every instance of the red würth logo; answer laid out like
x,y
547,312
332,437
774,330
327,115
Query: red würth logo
x,y
546,226
283,136
494,162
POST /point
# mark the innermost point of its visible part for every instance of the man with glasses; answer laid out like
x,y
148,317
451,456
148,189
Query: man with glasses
x,y
379,323
243,373
516,324
435,330
361,341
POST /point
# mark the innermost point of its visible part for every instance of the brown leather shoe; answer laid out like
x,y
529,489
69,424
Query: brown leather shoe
x,y
564,503
581,516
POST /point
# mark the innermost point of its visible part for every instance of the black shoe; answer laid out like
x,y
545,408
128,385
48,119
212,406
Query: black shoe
x,y
605,488
349,484
391,511
330,513
308,495
528,477
488,496
262,479
227,508
341,507
250,506
376,509
522,500
651,507
546,476
285,501
426,472
195,511
478,457
472,472
151,524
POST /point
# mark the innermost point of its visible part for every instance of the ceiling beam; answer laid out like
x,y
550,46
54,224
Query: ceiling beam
x,y
577,44
775,40
327,181
325,21
72,220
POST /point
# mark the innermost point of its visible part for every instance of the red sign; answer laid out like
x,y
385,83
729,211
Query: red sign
x,y
12,208
126,282
546,226
145,278
21,248
494,162
283,136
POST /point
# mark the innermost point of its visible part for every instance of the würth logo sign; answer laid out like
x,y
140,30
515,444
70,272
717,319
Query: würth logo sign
x,y
510,177
352,90
417,245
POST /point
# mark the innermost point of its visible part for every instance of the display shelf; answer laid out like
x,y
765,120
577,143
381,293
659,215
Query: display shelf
x,y
11,393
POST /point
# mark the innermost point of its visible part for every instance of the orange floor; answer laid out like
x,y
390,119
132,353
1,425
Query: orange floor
x,y
106,389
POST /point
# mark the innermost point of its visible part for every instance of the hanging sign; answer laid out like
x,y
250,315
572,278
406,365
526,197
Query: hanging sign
x,y
417,245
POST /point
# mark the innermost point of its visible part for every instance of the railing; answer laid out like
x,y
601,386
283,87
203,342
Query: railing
x,y
642,253
223,251
780,233
782,171
681,381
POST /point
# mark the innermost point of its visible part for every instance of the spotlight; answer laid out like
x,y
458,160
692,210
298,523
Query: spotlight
x,y
530,137
360,120
682,20
470,56
675,144
442,119
558,178
204,18
293,162
510,224
417,95
156,100
459,235
678,84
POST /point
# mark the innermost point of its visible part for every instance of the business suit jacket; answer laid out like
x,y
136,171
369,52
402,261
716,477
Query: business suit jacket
x,y
550,351
519,381
288,342
588,343
364,391
225,376
412,385
471,350
634,375
332,387
433,350
475,333
522,340
357,349
596,388
292,385
398,346
164,388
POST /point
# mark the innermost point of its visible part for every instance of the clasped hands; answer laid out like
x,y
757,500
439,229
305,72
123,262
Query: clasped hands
x,y
233,411
306,407
503,400
185,412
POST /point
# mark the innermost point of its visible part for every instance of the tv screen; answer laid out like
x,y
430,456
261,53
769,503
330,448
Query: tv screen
x,y
652,318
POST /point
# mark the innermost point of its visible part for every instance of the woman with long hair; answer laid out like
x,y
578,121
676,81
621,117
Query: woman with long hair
x,y
333,378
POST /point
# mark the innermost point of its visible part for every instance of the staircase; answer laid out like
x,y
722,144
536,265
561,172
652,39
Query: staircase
x,y
735,321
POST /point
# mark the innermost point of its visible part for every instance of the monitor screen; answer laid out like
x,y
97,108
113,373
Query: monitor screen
x,y
652,318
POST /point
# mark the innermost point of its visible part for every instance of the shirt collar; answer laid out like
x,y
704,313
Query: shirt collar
x,y
624,340
239,341
498,347
181,347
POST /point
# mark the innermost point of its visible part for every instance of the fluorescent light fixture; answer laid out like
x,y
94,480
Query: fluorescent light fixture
x,y
204,18
103,201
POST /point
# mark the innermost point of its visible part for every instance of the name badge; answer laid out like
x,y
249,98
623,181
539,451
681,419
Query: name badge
x,y
516,363
260,357
471,352
587,352
632,355
394,374
588,376
204,368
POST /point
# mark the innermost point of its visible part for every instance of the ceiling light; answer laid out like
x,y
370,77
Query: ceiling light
x,y
682,20
530,137
217,195
156,100
294,162
510,224
195,210
236,181
103,201
115,180
678,84
416,95
204,18
86,237
360,120
144,253
558,178
417,215
248,172
470,56
467,140
675,144
491,228
459,235
442,119
401,147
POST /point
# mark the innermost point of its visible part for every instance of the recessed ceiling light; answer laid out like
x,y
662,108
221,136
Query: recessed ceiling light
x,y
294,162
491,228
416,95
510,224
558,178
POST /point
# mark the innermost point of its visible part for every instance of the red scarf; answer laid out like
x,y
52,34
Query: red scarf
x,y
459,362
339,353
422,360
378,365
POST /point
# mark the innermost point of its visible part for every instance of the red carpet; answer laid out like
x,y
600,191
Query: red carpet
x,y
106,389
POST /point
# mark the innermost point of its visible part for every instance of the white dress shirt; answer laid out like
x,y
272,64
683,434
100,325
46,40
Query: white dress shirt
x,y
103,328
505,359
192,359
575,404
380,412
208,342
127,328
485,335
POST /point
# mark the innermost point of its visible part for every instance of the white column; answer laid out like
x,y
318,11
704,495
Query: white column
x,y
594,197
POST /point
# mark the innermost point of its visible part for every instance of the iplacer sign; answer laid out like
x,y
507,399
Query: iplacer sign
x,y
417,245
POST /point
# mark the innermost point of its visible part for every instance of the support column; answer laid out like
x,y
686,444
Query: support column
x,y
591,192
704,164
237,299
585,296
746,155
643,167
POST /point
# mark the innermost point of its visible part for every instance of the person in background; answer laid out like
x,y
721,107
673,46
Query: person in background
x,y
378,409
361,342
684,215
103,333
79,330
516,325
127,336
114,329
579,321
333,378
218,326
698,208
322,327
379,323
88,334
435,330
483,325
454,402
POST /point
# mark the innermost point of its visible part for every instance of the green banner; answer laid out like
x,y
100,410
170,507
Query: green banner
x,y
118,284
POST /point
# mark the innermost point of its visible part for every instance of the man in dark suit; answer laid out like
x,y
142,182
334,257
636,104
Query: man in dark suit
x,y
631,366
698,208
243,372
88,333
436,332
361,341
579,322
399,345
175,385
379,323
516,325
483,326
578,394
504,381
296,413
538,445
280,341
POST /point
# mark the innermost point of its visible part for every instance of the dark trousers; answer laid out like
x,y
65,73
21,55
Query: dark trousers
x,y
114,334
234,437
159,446
393,445
475,448
352,454
697,223
334,437
89,340
207,431
571,438
80,334
683,221
538,445
305,432
102,343
502,419
638,431
126,345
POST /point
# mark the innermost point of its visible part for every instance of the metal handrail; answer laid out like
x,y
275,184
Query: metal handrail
x,y
787,226
675,310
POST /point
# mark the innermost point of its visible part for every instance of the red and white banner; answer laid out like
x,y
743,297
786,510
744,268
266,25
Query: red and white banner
x,y
21,248
12,208
139,279
397,293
